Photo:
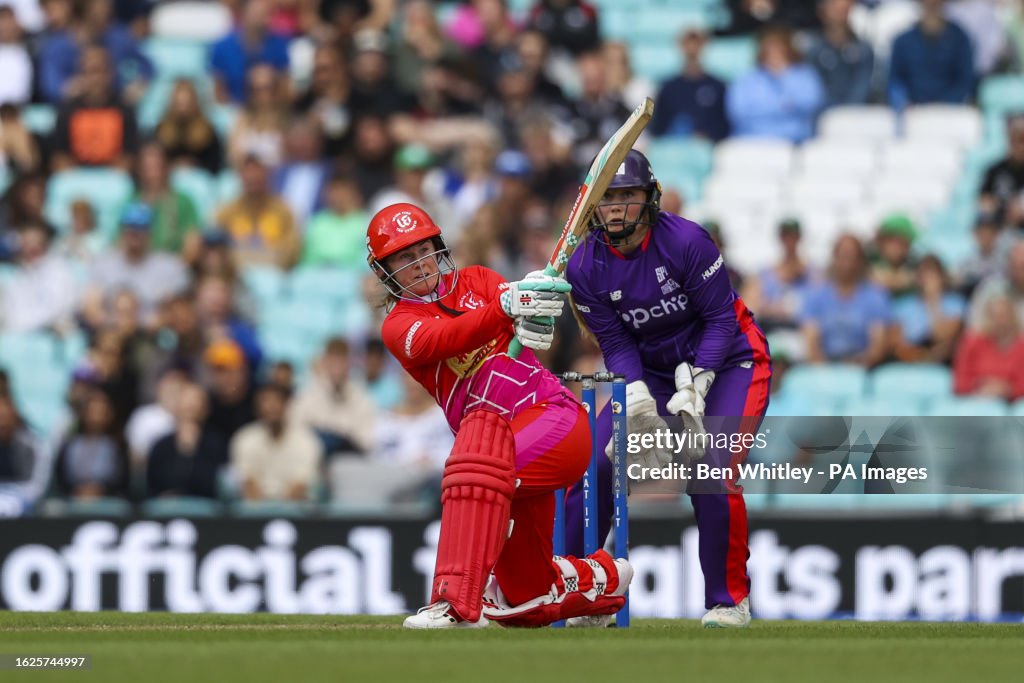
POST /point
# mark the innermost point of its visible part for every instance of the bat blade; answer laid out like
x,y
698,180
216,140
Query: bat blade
x,y
596,182
594,185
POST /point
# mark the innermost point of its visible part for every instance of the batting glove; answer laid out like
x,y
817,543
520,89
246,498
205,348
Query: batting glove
x,y
535,295
535,333
692,385
642,418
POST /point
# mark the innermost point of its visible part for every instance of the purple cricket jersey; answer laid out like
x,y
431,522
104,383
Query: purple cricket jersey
x,y
666,303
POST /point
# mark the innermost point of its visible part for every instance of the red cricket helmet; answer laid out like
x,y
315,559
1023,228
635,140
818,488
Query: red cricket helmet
x,y
395,228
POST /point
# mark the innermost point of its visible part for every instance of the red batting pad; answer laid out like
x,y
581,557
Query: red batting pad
x,y
476,494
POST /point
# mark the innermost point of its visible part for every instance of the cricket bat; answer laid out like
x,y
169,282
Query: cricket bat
x,y
595,184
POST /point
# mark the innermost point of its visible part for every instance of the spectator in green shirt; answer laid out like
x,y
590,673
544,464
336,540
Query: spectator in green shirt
x,y
336,236
175,225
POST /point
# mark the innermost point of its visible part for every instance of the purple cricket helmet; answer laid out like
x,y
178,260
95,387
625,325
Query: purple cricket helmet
x,y
634,171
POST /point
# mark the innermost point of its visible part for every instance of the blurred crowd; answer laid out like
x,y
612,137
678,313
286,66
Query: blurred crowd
x,y
323,111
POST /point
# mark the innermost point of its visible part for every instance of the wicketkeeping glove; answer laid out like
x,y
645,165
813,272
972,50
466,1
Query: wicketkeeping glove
x,y
535,333
536,294
692,385
642,418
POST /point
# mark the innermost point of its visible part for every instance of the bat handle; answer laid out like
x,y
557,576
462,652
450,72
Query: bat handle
x,y
514,347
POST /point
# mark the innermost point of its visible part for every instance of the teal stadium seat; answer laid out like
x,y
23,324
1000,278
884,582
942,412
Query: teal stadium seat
x,y
186,506
913,382
325,284
177,58
693,155
838,382
883,406
29,350
200,187
271,508
107,189
728,58
39,118
266,283
1001,95
223,117
229,186
96,507
656,61
969,406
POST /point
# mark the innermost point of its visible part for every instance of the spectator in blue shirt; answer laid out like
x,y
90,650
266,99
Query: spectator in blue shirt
x,y
843,61
929,319
781,97
250,44
60,52
931,62
692,103
846,318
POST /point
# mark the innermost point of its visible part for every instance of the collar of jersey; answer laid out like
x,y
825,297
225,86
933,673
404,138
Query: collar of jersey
x,y
643,248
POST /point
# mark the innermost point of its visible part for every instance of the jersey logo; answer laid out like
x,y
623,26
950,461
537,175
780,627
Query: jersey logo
x,y
669,287
661,272
469,300
409,335
616,295
640,316
466,364
713,268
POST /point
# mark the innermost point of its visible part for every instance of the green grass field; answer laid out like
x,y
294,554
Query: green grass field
x,y
176,648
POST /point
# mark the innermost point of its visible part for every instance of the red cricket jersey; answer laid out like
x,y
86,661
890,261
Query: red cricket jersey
x,y
461,358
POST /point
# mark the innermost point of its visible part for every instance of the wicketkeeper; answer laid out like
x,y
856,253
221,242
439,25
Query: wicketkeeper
x,y
652,288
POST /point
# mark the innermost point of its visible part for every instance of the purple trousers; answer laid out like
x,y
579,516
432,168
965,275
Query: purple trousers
x,y
721,517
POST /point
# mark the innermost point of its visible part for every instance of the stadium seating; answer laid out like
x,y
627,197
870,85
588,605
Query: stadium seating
x,y
858,124
968,407
40,119
107,189
944,125
200,187
830,382
86,507
185,506
916,382
198,21
1000,95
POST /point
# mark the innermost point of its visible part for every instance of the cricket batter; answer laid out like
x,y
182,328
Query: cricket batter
x,y
651,287
519,434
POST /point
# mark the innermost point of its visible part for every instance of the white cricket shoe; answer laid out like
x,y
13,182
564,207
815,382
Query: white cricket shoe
x,y
727,616
596,621
440,615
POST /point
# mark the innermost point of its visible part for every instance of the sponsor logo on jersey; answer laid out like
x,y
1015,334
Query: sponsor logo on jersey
x,y
409,335
640,316
466,364
616,295
469,300
713,268
669,287
661,272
